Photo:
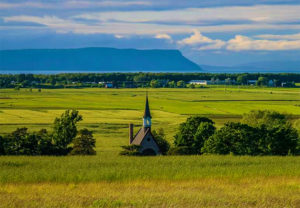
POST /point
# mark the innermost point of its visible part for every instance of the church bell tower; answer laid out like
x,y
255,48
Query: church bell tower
x,y
147,116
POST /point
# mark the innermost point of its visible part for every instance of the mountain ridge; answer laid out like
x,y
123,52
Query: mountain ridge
x,y
95,59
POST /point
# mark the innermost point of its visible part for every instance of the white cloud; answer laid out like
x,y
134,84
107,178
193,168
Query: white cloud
x,y
259,14
73,4
163,36
204,43
241,43
119,36
280,37
182,21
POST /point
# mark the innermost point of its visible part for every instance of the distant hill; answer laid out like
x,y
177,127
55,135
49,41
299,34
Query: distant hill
x,y
95,59
262,67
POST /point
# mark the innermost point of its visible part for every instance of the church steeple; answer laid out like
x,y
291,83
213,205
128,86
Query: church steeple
x,y
147,115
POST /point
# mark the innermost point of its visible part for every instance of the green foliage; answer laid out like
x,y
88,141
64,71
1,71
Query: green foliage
x,y
256,118
130,150
193,133
233,138
181,84
160,138
20,142
262,81
242,79
84,143
263,133
204,131
278,140
65,130
155,84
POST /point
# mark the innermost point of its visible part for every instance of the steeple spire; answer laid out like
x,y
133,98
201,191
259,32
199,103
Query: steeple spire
x,y
147,113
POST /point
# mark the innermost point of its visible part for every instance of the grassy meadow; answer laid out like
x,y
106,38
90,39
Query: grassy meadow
x,y
110,180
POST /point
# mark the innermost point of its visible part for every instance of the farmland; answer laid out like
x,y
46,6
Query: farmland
x,y
110,180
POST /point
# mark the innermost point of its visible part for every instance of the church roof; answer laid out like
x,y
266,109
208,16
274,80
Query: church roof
x,y
147,109
140,136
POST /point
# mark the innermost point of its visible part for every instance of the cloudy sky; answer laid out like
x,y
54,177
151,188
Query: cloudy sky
x,y
212,32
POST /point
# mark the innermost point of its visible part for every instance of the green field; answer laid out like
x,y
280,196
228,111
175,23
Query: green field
x,y
110,180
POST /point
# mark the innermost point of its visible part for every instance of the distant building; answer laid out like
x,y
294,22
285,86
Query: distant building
x,y
144,137
252,82
200,82
271,83
106,84
109,85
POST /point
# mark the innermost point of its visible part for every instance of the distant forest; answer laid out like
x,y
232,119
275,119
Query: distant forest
x,y
131,80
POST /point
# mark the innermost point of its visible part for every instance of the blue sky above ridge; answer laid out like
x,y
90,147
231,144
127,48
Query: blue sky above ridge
x,y
209,32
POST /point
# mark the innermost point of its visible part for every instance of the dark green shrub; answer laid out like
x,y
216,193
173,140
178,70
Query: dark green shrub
x,y
162,143
20,142
84,143
130,150
278,140
233,138
193,133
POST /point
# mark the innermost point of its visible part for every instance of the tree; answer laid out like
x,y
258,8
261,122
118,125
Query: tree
x,y
256,118
262,81
172,84
65,130
20,142
160,138
278,140
242,79
84,143
204,131
192,133
277,135
181,84
155,84
45,145
235,138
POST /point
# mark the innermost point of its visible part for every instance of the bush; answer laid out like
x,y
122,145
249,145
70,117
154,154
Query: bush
x,y
193,133
84,143
233,138
130,150
277,136
263,133
162,143
20,142
278,140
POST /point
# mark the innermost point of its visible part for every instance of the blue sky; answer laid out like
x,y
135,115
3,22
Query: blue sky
x,y
212,32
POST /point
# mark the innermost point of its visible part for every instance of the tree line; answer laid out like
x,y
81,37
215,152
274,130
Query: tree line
x,y
64,139
128,80
258,133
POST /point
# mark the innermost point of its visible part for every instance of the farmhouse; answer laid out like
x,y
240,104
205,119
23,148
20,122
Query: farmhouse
x,y
144,138
200,82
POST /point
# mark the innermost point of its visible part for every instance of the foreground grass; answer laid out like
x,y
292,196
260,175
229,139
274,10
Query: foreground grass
x,y
108,180
247,192
113,168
